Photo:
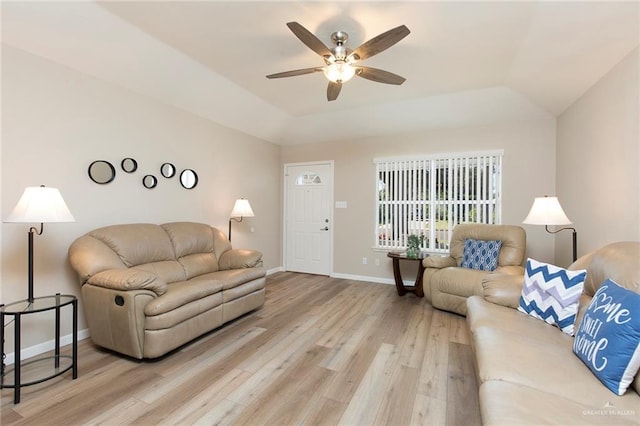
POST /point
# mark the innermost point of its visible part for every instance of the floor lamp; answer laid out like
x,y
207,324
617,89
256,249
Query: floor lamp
x,y
241,209
547,211
39,204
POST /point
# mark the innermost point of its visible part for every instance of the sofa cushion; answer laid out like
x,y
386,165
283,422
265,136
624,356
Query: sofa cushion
x,y
184,313
242,290
188,237
539,361
169,271
198,264
483,314
504,403
552,294
235,277
608,338
480,254
138,243
183,292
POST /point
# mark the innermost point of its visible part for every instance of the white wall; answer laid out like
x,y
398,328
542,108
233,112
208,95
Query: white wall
x,y
529,170
56,121
598,162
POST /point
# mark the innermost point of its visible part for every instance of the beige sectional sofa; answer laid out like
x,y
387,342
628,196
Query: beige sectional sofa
x,y
148,289
527,371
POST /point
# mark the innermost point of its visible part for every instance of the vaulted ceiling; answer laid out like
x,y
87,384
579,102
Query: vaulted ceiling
x,y
466,63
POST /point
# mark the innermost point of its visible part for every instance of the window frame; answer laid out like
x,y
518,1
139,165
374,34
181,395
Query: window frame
x,y
426,174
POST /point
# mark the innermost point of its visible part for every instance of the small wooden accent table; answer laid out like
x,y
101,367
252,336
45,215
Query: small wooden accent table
x,y
402,289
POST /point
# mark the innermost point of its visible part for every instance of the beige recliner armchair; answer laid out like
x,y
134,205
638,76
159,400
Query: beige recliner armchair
x,y
447,285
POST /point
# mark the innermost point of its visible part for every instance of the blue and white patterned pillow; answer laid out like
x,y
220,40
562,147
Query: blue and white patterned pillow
x,y
552,294
481,255
608,338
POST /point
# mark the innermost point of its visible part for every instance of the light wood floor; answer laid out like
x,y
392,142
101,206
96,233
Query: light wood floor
x,y
320,351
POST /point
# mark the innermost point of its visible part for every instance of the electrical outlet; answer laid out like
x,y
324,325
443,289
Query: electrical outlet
x,y
364,260
377,262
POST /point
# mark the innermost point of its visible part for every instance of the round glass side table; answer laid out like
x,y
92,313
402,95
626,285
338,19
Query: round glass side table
x,y
41,369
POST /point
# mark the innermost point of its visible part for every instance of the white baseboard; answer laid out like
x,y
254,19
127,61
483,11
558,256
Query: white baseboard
x,y
274,270
370,279
377,280
363,278
45,347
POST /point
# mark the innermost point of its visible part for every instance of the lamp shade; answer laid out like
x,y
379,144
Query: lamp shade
x,y
40,204
546,211
242,208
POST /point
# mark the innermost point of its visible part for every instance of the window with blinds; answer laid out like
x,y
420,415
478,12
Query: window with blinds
x,y
430,195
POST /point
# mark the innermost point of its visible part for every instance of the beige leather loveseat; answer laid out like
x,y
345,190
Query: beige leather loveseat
x,y
527,372
447,285
147,289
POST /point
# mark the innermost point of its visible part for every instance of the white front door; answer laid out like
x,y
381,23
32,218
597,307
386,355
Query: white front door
x,y
308,219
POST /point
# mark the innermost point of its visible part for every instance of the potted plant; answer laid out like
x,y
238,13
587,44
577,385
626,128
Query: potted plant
x,y
413,244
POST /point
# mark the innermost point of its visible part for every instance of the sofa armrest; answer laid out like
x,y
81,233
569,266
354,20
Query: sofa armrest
x,y
503,289
438,262
239,258
128,279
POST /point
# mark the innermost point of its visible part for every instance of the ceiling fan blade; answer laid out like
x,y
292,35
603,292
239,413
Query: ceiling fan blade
x,y
380,76
294,73
380,43
333,90
310,40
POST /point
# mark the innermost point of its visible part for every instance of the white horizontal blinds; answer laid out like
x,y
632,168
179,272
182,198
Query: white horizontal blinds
x,y
430,196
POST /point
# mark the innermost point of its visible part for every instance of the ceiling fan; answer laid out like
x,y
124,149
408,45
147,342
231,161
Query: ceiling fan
x,y
341,62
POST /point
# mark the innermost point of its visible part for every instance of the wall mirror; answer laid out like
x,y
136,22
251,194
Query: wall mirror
x,y
129,165
167,170
102,172
188,179
149,181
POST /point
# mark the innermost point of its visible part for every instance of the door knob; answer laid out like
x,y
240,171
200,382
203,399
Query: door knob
x,y
326,228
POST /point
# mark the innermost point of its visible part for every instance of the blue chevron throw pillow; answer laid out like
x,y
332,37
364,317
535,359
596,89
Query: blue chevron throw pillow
x,y
552,294
480,254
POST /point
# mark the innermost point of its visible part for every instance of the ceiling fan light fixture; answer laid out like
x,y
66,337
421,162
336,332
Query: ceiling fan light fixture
x,y
339,72
339,59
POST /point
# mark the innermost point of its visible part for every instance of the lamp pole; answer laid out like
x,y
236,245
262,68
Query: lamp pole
x,y
32,231
575,239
